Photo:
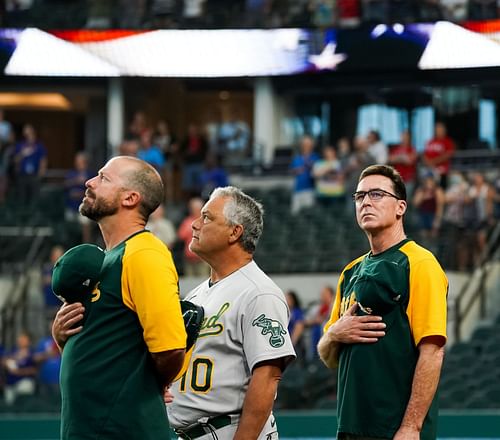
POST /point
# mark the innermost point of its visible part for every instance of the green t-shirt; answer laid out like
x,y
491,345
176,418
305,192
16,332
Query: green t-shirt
x,y
108,383
407,287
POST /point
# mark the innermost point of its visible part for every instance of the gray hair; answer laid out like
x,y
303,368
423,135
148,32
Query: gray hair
x,y
241,209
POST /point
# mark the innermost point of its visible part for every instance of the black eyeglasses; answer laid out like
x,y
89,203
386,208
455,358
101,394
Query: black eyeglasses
x,y
375,194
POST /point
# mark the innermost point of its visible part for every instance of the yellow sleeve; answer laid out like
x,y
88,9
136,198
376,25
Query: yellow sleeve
x,y
335,315
427,305
150,288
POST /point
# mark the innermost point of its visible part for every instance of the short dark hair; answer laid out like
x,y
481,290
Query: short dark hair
x,y
144,179
389,172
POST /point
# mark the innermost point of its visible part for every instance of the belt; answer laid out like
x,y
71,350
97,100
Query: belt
x,y
200,429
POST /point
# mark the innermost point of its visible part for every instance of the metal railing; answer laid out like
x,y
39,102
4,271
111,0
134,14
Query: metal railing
x,y
474,289
14,313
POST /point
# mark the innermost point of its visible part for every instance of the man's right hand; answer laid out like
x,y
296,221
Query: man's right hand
x,y
354,329
63,326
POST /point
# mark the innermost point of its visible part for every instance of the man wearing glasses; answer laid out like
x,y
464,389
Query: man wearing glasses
x,y
387,329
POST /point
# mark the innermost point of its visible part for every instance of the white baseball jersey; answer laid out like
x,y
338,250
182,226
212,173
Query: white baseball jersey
x,y
246,320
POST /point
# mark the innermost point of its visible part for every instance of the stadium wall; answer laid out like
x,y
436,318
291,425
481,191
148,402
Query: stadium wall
x,y
478,424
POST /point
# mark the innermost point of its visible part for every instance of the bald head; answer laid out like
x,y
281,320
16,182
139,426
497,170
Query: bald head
x,y
139,176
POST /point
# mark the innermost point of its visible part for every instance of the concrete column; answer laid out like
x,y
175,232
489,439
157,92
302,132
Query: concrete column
x,y
266,120
116,115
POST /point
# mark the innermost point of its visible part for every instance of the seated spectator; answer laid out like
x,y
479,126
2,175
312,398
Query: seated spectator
x,y
20,369
438,153
329,179
403,158
429,201
213,176
162,227
74,185
30,157
301,167
296,323
194,266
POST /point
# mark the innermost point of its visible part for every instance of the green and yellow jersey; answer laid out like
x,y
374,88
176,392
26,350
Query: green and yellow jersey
x,y
407,287
108,383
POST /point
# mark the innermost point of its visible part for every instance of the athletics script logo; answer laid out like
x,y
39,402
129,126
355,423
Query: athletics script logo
x,y
273,327
211,325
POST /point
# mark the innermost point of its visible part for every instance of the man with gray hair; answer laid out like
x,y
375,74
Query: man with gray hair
x,y
229,387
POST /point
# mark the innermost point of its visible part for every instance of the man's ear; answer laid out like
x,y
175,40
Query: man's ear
x,y
131,199
236,233
401,209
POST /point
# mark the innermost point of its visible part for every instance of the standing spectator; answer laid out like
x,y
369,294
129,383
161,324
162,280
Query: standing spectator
x,y
6,155
329,179
438,153
20,369
403,158
149,152
429,201
74,185
48,359
456,200
301,168
193,151
318,316
358,159
162,227
167,142
376,147
296,324
349,13
213,176
51,302
482,196
30,158
194,266
137,126
454,10
387,329
192,15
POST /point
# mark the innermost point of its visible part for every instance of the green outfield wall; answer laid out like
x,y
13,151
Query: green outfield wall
x,y
292,424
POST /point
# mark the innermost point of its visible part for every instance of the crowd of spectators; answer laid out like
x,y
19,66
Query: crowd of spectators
x,y
465,206
186,14
29,369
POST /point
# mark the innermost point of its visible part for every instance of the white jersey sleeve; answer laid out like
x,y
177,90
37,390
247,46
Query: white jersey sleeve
x,y
265,334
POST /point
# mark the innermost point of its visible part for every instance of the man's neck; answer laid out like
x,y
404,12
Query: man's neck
x,y
225,265
380,241
116,230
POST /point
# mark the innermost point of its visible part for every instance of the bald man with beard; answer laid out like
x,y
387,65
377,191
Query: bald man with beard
x,y
132,345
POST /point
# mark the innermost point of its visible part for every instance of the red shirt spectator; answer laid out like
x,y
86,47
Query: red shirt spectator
x,y
438,152
403,158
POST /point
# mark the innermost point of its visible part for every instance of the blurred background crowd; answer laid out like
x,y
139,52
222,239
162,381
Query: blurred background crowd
x,y
217,14
201,134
